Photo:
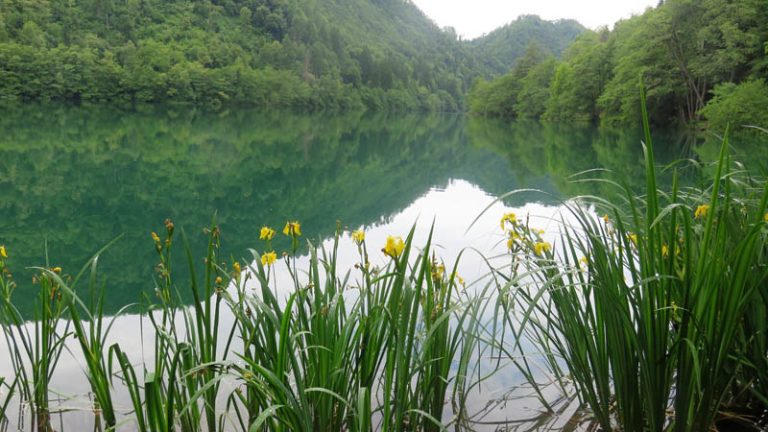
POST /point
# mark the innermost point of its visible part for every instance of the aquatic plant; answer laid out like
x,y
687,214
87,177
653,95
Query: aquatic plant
x,y
657,309
384,348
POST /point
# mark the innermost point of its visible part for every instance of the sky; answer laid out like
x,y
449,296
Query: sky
x,y
473,18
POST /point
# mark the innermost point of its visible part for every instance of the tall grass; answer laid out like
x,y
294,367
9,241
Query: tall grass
x,y
658,308
372,348
36,347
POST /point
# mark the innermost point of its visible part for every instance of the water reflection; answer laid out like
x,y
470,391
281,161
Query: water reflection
x,y
502,403
75,178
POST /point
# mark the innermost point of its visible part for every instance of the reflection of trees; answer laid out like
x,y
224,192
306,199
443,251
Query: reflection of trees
x,y
521,145
547,155
80,177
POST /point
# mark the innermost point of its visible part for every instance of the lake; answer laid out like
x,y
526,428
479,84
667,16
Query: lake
x,y
74,179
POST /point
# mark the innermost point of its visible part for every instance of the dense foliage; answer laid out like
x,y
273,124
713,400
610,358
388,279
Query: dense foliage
x,y
499,49
682,49
379,54
262,52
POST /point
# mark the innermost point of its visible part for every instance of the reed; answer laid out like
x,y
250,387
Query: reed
x,y
370,348
657,308
35,347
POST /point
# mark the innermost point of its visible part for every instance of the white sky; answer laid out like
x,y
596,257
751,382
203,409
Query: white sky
x,y
473,18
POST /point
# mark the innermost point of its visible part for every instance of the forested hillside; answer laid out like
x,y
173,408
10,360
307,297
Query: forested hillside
x,y
288,53
498,50
698,59
315,54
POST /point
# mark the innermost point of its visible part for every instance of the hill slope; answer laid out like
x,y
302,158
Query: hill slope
x,y
499,49
697,59
332,54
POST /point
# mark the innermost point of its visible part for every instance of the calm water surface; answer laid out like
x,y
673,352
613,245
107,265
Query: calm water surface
x,y
73,179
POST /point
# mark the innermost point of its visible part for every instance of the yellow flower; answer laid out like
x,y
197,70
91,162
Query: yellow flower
x,y
358,236
268,258
3,252
605,218
292,229
664,250
701,211
540,247
155,237
219,280
633,238
765,217
394,246
509,217
513,237
266,233
57,270
236,267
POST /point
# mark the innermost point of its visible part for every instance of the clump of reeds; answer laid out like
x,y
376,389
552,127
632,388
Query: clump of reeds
x,y
385,348
657,308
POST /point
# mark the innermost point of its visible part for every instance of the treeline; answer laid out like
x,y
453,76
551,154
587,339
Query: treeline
x,y
305,54
273,53
697,59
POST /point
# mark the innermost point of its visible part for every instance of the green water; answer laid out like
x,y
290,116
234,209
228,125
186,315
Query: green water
x,y
76,178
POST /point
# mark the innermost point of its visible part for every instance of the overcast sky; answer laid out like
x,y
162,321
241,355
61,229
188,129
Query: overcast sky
x,y
472,18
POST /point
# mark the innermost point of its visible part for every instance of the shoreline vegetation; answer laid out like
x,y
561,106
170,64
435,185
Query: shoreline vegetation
x,y
650,311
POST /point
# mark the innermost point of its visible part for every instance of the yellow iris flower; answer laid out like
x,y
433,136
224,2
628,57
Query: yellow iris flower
x,y
701,211
509,217
268,258
358,236
3,252
513,237
236,267
266,233
394,246
292,229
540,247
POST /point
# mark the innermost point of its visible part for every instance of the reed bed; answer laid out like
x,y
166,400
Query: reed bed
x,y
652,309
656,310
370,348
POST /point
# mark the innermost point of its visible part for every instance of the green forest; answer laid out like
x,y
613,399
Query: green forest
x,y
698,59
301,54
